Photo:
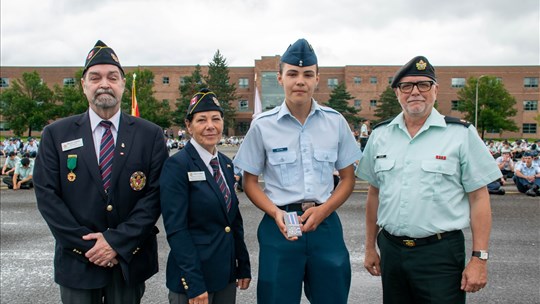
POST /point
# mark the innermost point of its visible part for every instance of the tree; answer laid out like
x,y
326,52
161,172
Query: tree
x,y
388,105
149,107
218,82
495,104
192,84
28,104
71,99
339,101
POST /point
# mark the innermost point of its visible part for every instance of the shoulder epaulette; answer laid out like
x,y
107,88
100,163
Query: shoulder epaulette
x,y
455,120
384,122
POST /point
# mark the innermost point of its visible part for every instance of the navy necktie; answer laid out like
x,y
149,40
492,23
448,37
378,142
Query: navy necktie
x,y
106,153
221,182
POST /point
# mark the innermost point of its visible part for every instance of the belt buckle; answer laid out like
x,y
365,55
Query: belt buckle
x,y
307,205
409,243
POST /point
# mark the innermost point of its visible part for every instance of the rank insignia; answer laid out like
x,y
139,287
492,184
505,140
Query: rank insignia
x,y
216,101
71,165
137,181
421,65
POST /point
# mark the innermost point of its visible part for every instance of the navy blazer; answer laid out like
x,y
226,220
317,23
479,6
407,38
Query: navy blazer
x,y
207,242
125,216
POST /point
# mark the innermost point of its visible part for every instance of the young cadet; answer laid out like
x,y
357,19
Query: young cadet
x,y
428,175
296,147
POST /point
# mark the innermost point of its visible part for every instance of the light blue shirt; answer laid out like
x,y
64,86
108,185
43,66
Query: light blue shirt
x,y
527,171
423,181
297,161
24,172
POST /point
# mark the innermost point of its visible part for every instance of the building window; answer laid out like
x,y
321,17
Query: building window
x,y
182,81
243,83
373,80
373,103
530,105
69,82
165,80
455,105
4,82
530,82
357,80
243,105
357,103
529,128
458,82
332,83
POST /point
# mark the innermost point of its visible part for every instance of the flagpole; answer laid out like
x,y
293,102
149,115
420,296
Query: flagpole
x,y
257,103
134,104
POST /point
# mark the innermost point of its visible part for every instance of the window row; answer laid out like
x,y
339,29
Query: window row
x,y
528,82
528,105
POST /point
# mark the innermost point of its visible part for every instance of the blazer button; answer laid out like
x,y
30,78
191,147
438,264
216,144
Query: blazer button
x,y
186,287
227,229
109,208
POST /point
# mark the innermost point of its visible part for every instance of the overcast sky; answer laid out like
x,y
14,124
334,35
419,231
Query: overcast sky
x,y
342,32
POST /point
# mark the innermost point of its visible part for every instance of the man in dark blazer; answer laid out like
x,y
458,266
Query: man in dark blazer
x,y
208,254
103,221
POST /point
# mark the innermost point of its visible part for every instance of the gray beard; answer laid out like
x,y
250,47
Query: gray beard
x,y
105,101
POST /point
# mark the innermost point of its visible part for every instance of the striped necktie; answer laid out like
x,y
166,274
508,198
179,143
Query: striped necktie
x,y
221,182
106,153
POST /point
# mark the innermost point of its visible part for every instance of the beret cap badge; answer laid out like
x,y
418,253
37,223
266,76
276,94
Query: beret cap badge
x,y
421,65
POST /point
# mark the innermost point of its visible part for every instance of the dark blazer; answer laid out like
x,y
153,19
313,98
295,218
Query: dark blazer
x,y
125,216
207,242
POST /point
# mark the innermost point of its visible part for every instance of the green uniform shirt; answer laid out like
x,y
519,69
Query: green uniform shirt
x,y
423,181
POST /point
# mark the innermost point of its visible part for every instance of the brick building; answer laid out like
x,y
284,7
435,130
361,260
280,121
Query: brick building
x,y
365,83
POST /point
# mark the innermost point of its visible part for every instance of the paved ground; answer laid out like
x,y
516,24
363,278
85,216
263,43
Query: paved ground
x,y
27,251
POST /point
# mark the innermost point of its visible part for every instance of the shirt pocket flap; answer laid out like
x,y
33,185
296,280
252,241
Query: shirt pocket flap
x,y
447,168
325,155
384,165
280,158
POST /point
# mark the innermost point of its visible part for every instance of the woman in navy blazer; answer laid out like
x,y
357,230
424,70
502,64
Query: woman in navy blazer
x,y
208,257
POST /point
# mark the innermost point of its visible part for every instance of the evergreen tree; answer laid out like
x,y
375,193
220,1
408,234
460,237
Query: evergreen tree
x,y
192,84
218,82
495,104
339,101
28,104
388,106
150,108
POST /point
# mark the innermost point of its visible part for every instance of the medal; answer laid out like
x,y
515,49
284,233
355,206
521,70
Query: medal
x,y
71,165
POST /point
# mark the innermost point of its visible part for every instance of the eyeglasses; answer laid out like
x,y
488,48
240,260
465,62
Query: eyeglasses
x,y
423,86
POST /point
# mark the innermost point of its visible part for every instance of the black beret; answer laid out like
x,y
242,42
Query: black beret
x,y
418,66
300,54
528,153
101,54
202,101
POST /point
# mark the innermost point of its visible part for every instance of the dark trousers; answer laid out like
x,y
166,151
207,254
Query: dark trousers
x,y
9,181
225,296
117,292
319,259
523,185
428,273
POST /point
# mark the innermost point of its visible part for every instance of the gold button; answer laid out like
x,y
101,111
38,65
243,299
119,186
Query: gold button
x,y
183,280
109,208
186,288
227,229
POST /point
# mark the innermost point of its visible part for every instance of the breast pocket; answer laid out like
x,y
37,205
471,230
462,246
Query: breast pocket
x,y
324,161
383,169
437,179
285,165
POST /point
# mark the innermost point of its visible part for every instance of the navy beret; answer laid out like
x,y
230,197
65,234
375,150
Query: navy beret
x,y
202,101
418,66
101,54
300,54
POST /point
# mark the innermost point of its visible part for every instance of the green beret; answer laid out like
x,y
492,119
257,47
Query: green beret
x,y
101,54
300,54
202,101
418,66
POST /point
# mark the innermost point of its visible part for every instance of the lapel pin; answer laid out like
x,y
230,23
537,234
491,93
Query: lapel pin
x,y
121,153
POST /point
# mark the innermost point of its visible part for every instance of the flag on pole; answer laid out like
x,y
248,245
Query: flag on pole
x,y
257,109
134,105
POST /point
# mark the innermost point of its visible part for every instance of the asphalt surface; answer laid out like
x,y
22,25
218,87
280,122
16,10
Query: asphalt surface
x,y
27,246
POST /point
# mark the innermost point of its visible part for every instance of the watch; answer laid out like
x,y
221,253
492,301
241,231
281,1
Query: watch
x,y
481,254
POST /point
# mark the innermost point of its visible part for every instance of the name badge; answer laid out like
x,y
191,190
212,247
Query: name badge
x,y
196,176
70,145
279,149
